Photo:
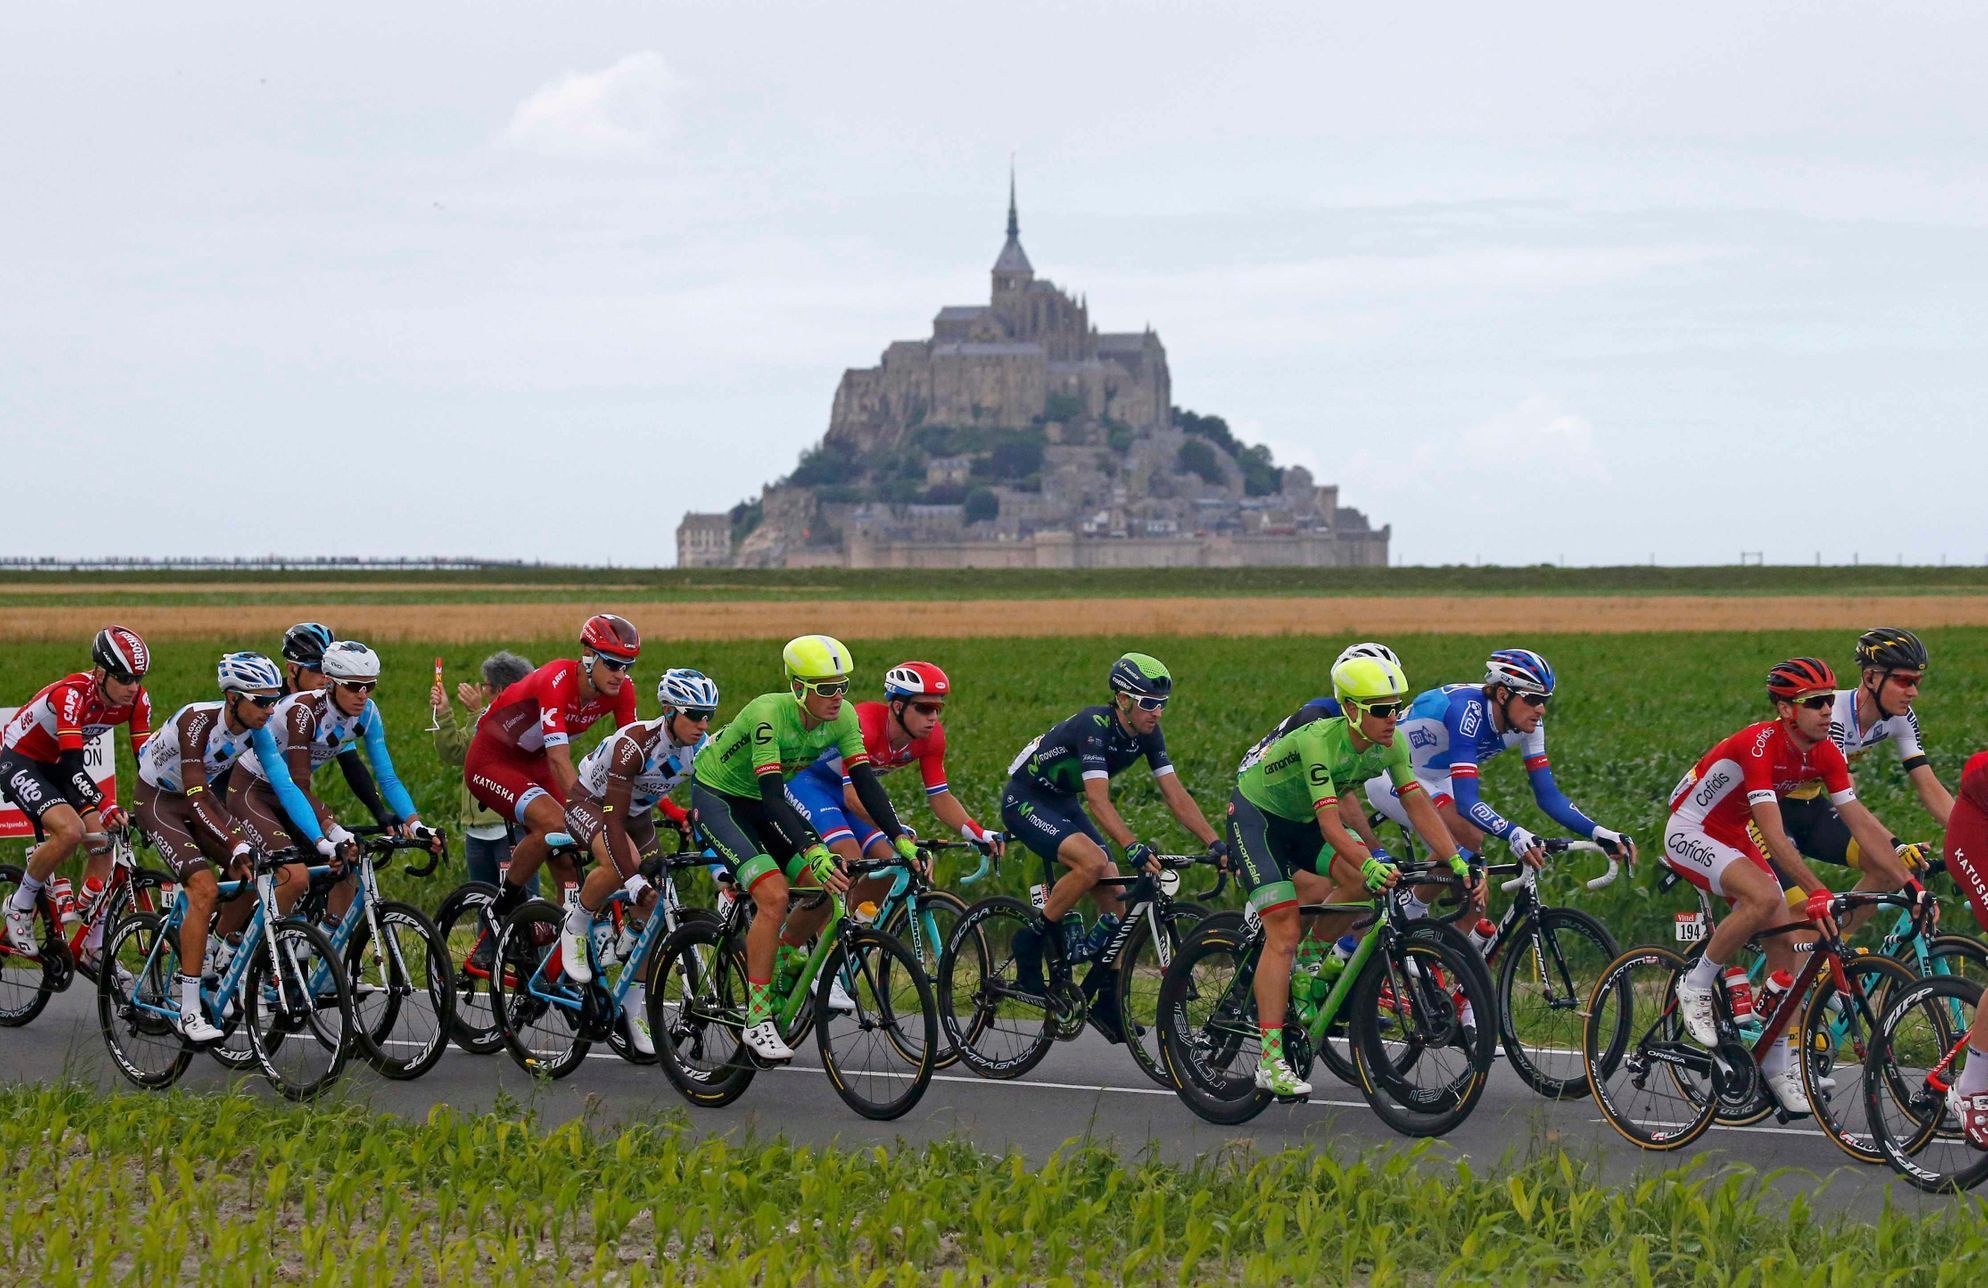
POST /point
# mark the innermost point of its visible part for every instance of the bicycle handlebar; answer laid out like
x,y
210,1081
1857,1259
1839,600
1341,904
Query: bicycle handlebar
x,y
1564,845
383,843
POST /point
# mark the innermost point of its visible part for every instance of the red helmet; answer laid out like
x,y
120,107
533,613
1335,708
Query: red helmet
x,y
916,679
1799,675
120,652
611,637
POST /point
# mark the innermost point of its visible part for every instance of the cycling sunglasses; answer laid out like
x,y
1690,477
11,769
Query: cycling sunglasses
x,y
1385,710
1148,704
357,686
613,664
697,715
1534,699
826,688
928,708
1819,702
263,700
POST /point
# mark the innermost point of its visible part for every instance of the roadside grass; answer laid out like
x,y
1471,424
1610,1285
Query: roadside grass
x,y
226,1189
1632,715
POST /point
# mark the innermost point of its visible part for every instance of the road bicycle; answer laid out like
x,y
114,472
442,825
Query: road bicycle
x,y
26,983
1915,1058
922,917
1405,994
1002,1012
298,1018
878,1050
469,926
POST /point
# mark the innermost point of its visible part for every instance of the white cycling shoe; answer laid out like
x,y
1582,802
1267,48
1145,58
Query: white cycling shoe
x,y
573,957
21,930
763,1040
1785,1085
838,997
636,1008
1694,1007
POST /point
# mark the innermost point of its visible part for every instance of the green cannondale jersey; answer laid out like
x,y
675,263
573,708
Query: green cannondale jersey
x,y
1297,773
767,734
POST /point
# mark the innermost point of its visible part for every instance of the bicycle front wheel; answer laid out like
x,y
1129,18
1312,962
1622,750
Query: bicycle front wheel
x,y
1140,972
299,1016
467,924
1420,1043
925,932
135,988
1653,1084
1836,1029
993,1001
1545,977
539,1011
1915,1055
401,994
879,1052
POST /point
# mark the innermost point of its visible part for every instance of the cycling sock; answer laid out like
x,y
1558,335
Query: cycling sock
x,y
94,941
578,920
1273,1043
189,995
24,898
1974,1074
1777,1058
759,1002
1705,972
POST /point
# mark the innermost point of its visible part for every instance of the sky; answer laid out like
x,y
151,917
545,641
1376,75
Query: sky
x,y
1532,283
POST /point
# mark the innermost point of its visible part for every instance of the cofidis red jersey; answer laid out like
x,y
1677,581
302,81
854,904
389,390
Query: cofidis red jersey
x,y
1760,763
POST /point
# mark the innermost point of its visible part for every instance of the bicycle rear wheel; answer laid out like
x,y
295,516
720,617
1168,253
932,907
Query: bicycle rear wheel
x,y
299,1017
1000,1023
1915,1054
1545,977
539,1011
401,994
1657,1089
463,920
698,993
135,984
926,935
1425,1071
24,981
880,1054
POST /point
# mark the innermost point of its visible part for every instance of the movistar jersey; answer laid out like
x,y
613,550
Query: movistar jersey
x,y
1090,744
1294,775
769,737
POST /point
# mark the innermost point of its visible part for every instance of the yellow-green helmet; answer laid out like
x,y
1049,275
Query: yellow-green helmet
x,y
816,657
1363,681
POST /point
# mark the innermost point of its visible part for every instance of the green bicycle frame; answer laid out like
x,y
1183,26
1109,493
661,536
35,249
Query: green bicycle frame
x,y
825,940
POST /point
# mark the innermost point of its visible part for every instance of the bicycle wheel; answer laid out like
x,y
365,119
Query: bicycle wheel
x,y
25,982
879,1055
135,987
637,1003
698,993
999,1028
401,996
1915,1054
926,934
1658,1090
1424,1071
1962,955
1207,1023
462,920
1545,976
1137,995
299,1018
542,1014
1836,1029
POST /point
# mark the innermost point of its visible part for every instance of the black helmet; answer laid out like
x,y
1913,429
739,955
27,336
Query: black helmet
x,y
1890,649
306,642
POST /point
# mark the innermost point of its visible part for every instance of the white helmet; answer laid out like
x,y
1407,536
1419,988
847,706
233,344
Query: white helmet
x,y
1380,652
683,689
350,660
247,672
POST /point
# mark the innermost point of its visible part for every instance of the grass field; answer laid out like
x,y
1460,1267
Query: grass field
x,y
1633,713
236,1190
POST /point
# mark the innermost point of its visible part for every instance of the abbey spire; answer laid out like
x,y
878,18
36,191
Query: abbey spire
x,y
1012,271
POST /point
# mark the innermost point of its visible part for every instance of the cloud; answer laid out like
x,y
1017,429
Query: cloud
x,y
618,111
1536,438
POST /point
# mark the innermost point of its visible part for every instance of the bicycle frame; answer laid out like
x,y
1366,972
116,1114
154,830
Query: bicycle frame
x,y
547,981
230,983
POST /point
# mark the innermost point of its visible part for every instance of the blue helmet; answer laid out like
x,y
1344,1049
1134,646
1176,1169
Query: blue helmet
x,y
683,689
1519,669
246,673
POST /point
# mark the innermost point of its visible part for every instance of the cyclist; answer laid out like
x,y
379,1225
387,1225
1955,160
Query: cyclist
x,y
1890,662
1058,776
303,670
189,828
1967,859
622,783
520,760
1286,800
1742,780
42,768
739,800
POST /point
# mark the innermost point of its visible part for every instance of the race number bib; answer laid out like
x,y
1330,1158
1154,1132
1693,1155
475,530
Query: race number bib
x,y
1690,927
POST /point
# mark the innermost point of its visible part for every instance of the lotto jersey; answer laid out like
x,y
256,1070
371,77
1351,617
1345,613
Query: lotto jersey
x,y
643,754
197,732
1294,775
769,737
1759,764
1090,744
873,718
65,715
546,709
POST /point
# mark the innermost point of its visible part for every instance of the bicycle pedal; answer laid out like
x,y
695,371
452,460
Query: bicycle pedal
x,y
1292,1100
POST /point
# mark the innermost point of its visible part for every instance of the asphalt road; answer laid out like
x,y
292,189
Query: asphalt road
x,y
1085,1088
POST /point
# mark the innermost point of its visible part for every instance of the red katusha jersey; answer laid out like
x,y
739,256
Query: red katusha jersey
x,y
545,709
1758,764
64,717
873,718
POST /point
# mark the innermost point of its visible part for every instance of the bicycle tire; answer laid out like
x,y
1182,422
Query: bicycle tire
x,y
1546,944
405,1027
1207,1023
617,1038
297,1015
1006,1032
1136,993
887,984
939,912
1840,1111
24,991
1636,993
1909,1119
698,992
1964,955
145,1047
460,921
543,1036
1429,1022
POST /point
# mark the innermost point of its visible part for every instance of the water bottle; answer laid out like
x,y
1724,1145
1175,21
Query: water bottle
x,y
93,893
1482,935
1739,991
1038,896
1101,932
1777,988
1073,937
1342,952
624,944
865,912
65,901
603,934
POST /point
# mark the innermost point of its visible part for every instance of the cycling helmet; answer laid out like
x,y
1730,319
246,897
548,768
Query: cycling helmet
x,y
1798,676
306,642
1363,681
682,689
120,652
1368,649
611,637
916,680
350,660
1141,676
816,657
1890,649
1519,669
247,673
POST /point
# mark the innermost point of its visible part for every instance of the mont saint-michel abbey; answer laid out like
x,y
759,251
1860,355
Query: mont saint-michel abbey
x,y
1017,435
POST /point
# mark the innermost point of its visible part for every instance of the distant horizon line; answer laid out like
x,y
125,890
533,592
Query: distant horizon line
x,y
471,563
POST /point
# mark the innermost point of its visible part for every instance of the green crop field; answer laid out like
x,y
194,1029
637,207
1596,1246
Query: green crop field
x,y
1633,713
231,1190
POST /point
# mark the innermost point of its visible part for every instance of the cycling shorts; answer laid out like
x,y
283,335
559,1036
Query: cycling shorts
x,y
506,780
1383,798
176,833
745,835
1819,832
1042,819
1268,848
1703,859
253,803
38,786
586,819
826,811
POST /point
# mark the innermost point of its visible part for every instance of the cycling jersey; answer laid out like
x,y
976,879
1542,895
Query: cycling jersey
x,y
1296,774
1856,740
1759,764
184,820
769,738
1091,744
546,709
645,757
312,720
62,718
873,718
197,733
